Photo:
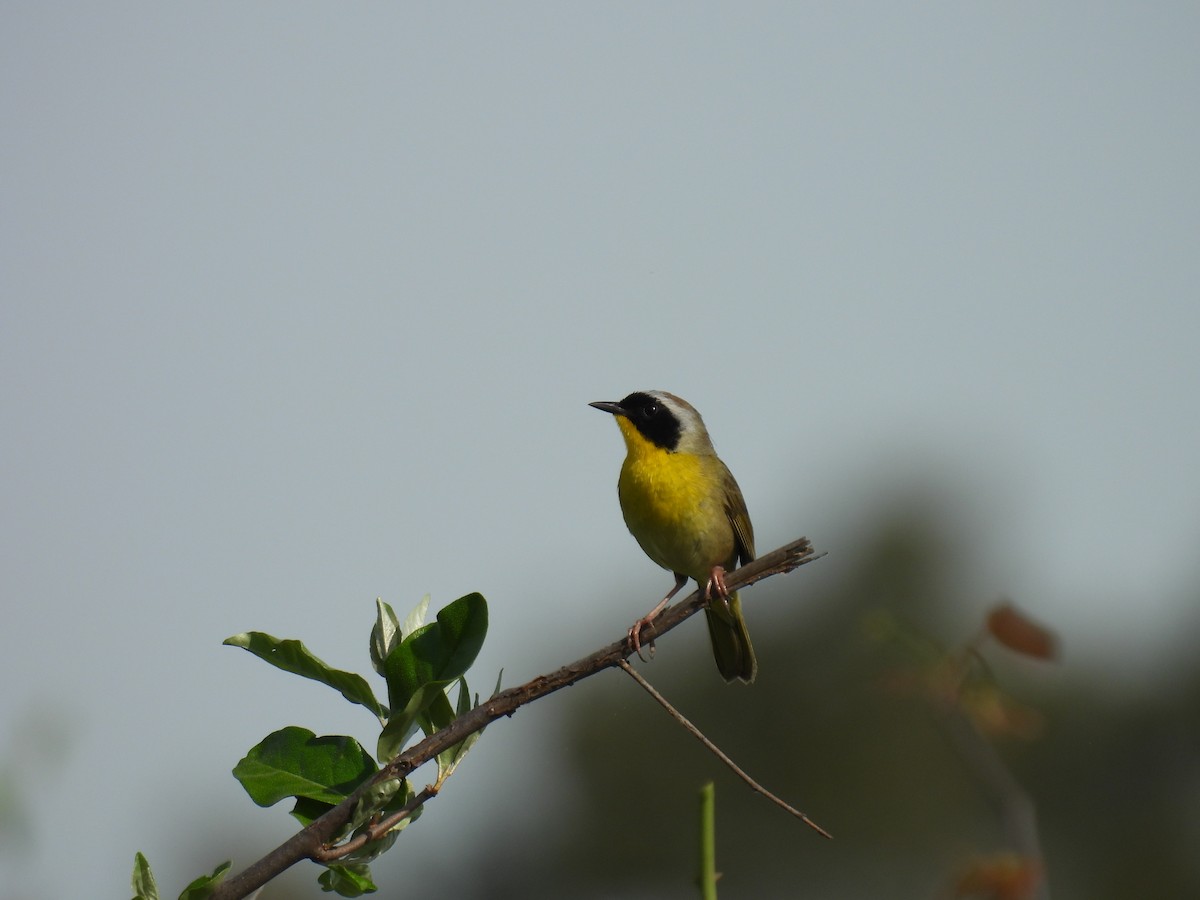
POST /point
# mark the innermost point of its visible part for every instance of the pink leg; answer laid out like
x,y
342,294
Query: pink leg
x,y
717,580
635,631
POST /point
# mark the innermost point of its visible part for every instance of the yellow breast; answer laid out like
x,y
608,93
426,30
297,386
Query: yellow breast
x,y
674,506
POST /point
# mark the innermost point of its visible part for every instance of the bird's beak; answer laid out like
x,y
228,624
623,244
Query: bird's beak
x,y
615,408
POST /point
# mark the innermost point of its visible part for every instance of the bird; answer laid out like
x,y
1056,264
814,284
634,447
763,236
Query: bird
x,y
686,511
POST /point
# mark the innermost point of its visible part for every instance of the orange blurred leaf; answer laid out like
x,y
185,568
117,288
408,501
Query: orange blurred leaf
x,y
1018,632
1004,876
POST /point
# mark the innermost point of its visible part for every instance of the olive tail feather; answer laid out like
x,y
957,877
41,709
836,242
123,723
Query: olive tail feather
x,y
731,641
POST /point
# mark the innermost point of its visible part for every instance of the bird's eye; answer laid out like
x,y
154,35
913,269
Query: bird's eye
x,y
650,410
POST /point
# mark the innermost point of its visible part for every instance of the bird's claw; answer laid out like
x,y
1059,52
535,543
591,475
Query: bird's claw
x,y
635,636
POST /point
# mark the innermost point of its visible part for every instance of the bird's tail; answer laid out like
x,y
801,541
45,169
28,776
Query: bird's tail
x,y
730,640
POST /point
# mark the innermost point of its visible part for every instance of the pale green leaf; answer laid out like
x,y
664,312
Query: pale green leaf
x,y
415,619
385,634
144,886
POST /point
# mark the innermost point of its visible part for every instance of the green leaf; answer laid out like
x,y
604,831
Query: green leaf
x,y
402,725
202,887
426,661
438,714
392,739
464,699
347,881
438,652
385,634
293,762
292,656
449,759
144,886
425,708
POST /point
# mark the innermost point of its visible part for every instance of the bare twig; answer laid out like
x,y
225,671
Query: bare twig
x,y
717,751
314,840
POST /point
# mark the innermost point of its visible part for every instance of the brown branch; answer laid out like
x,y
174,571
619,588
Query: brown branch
x,y
717,751
314,840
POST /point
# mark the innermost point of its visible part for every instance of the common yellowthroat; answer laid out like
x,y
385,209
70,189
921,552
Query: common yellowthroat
x,y
686,511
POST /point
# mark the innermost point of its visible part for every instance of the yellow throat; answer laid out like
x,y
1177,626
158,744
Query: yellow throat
x,y
673,506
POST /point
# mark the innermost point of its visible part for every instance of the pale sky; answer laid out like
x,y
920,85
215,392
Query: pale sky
x,y
303,305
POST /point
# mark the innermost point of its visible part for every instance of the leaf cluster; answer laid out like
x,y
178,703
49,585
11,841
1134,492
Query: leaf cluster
x,y
419,663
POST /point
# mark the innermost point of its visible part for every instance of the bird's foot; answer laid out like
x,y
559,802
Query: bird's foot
x,y
716,586
635,635
647,621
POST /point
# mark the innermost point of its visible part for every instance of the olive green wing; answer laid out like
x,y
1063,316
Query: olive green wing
x,y
739,518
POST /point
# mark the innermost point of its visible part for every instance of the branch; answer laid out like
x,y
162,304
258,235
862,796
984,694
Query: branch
x,y
312,842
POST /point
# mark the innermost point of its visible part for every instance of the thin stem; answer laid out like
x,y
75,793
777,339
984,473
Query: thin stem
x,y
707,877
717,751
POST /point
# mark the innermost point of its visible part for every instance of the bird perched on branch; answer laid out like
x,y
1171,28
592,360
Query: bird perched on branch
x,y
686,511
